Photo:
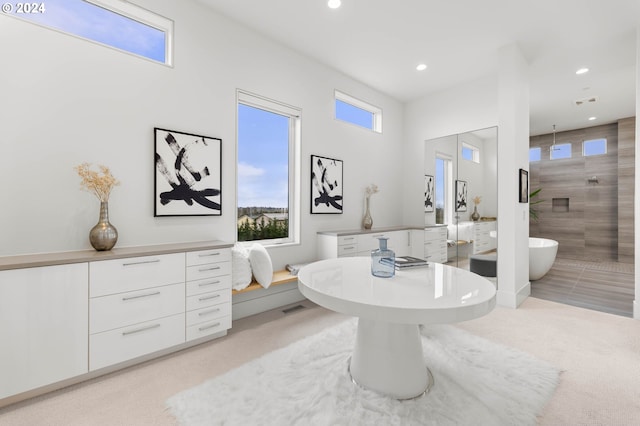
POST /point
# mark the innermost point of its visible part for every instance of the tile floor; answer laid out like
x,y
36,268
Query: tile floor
x,y
602,286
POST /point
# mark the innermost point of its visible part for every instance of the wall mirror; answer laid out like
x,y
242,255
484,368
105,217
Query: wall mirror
x,y
461,195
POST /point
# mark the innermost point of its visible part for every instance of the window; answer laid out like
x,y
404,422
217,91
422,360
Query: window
x,y
444,189
594,147
357,112
560,151
535,154
267,170
470,153
113,23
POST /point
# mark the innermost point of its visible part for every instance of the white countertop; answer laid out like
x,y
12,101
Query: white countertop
x,y
434,294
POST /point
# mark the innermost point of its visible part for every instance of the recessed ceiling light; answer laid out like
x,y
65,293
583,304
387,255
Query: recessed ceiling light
x,y
582,71
421,67
334,4
592,118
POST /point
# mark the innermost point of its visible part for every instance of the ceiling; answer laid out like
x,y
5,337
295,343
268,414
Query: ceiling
x,y
380,42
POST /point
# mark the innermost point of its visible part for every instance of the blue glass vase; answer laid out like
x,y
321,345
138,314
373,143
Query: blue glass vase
x,y
383,260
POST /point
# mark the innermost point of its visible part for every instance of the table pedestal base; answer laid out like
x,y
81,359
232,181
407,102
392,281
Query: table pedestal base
x,y
388,358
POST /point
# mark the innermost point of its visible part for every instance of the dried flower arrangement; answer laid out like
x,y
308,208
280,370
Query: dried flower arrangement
x,y
100,183
477,199
370,190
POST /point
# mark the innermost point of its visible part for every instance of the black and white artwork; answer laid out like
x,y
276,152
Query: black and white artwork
x,y
326,185
524,186
188,174
429,193
461,196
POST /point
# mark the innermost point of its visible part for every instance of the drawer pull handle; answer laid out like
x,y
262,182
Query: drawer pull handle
x,y
142,262
209,312
206,327
348,239
209,254
209,269
140,296
139,330
348,247
209,283
202,299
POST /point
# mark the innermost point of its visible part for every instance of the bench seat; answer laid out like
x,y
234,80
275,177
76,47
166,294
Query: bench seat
x,y
279,277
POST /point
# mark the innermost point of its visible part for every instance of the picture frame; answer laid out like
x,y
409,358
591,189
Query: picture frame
x,y
326,185
429,193
461,196
188,174
523,194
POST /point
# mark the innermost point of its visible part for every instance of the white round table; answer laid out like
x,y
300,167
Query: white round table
x,y
387,356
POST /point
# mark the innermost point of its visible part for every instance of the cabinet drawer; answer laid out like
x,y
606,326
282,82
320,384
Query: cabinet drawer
x,y
119,310
435,245
208,328
208,270
208,284
134,273
208,299
347,239
208,314
122,344
347,250
208,256
431,234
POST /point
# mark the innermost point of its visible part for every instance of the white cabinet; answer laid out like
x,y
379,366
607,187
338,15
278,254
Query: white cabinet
x,y
482,240
64,315
137,307
361,243
43,326
435,244
208,293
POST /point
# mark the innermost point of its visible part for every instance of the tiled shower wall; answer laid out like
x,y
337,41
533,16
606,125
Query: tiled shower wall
x,y
589,220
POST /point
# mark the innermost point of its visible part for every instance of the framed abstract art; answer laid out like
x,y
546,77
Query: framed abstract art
x,y
326,185
188,174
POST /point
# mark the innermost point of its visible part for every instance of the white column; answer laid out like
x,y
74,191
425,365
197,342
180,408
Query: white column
x,y
636,302
513,154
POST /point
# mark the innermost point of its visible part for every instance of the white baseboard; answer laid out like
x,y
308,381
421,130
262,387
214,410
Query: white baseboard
x,y
513,300
257,301
636,310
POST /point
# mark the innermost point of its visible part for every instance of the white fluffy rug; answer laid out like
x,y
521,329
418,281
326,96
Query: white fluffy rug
x,y
477,382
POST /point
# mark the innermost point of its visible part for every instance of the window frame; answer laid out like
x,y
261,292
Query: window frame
x,y
376,125
448,201
606,148
475,152
128,10
295,117
561,158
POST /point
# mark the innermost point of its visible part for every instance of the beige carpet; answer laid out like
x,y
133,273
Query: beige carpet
x,y
599,353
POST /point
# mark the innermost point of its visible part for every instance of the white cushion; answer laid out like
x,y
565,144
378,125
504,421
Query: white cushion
x,y
240,267
261,265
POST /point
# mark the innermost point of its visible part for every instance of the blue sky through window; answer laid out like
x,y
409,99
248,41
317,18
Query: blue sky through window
x,y
534,154
95,23
595,147
353,114
263,158
561,151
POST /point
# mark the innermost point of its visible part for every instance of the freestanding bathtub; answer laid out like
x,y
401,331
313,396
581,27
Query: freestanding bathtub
x,y
542,254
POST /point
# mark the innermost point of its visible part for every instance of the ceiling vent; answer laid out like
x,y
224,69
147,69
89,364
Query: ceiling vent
x,y
589,100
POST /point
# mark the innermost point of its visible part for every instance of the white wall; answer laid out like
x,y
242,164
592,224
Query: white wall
x,y
66,101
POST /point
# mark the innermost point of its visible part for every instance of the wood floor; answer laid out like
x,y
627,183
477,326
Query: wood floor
x,y
601,286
